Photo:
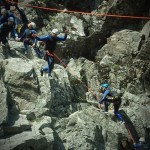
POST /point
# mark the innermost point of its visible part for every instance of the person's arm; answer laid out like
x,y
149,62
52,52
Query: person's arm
x,y
104,96
1,25
23,15
59,38
42,38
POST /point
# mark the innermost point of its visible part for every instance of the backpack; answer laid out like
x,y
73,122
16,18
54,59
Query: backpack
x,y
114,97
29,34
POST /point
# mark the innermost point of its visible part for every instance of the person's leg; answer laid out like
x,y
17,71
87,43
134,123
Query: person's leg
x,y
49,67
45,69
50,61
5,42
38,52
25,43
14,34
106,105
116,112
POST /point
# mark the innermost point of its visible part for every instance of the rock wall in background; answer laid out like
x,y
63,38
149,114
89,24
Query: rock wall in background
x,y
60,112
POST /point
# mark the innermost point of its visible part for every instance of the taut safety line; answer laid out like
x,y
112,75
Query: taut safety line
x,y
80,12
76,76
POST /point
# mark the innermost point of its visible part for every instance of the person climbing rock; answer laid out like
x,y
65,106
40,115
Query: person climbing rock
x,y
28,39
50,46
5,14
24,21
111,97
5,31
4,18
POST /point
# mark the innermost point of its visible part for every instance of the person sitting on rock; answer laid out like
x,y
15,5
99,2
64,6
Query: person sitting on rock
x,y
50,46
28,39
110,97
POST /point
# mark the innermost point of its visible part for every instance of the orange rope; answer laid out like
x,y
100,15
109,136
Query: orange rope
x,y
130,133
83,13
76,76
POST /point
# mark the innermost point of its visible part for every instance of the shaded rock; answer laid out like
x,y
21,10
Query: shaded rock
x,y
40,137
86,130
17,125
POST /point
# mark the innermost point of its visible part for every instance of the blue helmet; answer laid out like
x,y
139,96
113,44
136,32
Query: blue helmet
x,y
105,85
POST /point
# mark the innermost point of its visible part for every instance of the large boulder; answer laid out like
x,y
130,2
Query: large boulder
x,y
40,137
87,129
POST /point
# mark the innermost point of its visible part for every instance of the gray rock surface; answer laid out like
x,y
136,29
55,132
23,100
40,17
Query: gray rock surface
x,y
60,112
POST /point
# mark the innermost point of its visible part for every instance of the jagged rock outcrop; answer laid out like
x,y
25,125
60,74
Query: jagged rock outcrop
x,y
88,129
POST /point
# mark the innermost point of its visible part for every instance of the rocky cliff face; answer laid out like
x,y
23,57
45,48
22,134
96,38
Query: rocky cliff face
x,y
60,112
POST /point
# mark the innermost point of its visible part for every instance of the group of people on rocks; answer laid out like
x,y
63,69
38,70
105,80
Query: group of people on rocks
x,y
21,29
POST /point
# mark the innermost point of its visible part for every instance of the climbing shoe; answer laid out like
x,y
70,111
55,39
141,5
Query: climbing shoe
x,y
121,122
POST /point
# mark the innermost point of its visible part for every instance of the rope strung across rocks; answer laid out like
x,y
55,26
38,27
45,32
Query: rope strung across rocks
x,y
71,72
81,12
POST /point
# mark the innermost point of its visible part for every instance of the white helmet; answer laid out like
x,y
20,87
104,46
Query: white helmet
x,y
11,19
55,31
33,24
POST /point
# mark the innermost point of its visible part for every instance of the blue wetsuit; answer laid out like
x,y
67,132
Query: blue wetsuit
x,y
50,46
116,103
4,19
28,39
5,29
105,100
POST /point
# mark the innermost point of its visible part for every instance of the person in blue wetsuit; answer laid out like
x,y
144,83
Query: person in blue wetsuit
x,y
110,97
5,30
50,46
5,15
4,18
24,20
28,39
